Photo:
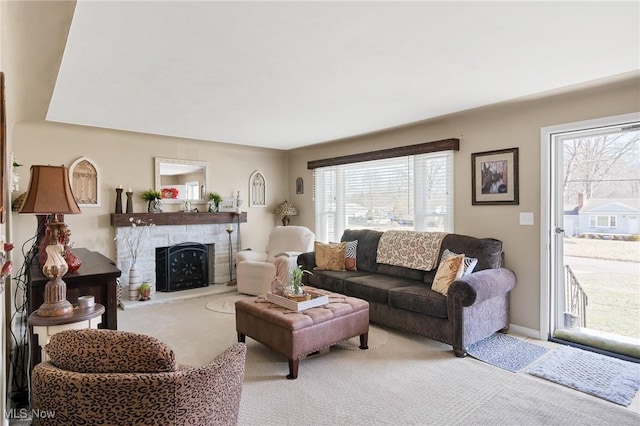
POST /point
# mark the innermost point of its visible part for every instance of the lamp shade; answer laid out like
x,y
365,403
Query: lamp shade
x,y
49,192
285,208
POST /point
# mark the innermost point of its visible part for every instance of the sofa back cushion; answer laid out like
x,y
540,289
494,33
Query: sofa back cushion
x,y
488,251
109,351
367,251
367,247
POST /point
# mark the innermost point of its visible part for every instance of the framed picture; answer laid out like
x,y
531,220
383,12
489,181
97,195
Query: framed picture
x,y
299,186
494,177
228,205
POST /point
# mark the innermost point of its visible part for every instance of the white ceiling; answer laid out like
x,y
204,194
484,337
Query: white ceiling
x,y
289,74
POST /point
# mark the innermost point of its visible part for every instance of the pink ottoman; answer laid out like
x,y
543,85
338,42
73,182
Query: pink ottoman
x,y
296,334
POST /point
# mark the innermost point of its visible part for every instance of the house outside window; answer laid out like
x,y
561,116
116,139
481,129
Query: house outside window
x,y
602,221
412,192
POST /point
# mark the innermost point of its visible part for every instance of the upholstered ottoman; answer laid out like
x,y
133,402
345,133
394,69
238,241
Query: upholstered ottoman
x,y
296,334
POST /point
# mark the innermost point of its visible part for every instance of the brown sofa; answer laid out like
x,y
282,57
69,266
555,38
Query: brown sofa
x,y
476,305
109,377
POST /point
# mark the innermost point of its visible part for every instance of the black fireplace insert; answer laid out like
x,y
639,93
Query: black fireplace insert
x,y
182,266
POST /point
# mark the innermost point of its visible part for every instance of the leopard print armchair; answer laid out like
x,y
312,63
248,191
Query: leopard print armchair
x,y
110,377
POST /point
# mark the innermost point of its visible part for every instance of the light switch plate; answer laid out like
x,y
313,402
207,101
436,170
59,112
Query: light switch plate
x,y
526,218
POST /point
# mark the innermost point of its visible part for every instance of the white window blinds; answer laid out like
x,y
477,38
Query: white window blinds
x,y
410,192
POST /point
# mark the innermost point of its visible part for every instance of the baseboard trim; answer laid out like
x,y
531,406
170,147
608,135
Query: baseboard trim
x,y
526,332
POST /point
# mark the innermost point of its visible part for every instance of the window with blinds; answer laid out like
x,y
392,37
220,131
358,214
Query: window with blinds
x,y
412,192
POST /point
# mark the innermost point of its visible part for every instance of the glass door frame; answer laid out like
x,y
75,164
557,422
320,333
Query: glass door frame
x,y
551,219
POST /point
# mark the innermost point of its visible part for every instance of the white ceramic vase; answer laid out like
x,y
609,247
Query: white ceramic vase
x,y
135,279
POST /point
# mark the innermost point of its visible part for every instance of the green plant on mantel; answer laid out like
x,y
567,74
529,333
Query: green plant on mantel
x,y
150,195
215,197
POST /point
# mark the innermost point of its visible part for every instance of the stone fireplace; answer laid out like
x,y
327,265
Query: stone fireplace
x,y
176,228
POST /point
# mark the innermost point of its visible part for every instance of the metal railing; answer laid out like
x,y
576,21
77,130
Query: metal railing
x,y
576,301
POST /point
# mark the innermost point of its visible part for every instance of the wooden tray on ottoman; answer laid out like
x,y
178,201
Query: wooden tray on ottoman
x,y
317,299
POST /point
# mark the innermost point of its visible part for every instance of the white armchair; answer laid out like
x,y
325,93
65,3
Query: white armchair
x,y
259,272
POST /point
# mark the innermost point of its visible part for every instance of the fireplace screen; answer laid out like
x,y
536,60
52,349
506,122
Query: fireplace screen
x,y
182,266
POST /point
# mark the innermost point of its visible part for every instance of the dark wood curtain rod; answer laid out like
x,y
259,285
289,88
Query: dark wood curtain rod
x,y
402,151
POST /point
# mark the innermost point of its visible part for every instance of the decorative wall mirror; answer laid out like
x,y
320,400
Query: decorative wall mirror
x,y
181,180
257,190
85,182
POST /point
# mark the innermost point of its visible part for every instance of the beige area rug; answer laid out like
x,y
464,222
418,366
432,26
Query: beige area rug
x,y
411,380
226,304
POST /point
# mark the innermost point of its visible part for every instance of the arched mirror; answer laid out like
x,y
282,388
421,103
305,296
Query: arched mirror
x,y
181,180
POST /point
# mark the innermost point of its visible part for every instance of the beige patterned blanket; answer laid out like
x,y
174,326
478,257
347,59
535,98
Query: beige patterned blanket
x,y
411,249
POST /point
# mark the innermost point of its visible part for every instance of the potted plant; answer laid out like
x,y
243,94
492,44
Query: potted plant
x,y
214,201
295,288
153,198
145,291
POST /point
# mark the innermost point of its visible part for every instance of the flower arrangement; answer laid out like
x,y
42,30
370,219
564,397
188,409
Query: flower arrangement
x,y
140,229
7,265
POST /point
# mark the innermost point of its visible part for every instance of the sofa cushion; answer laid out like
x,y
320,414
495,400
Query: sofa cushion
x,y
375,287
469,262
109,351
450,269
368,240
330,257
350,255
420,299
331,280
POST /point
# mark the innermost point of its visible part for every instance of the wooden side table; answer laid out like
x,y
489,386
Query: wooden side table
x,y
78,319
96,277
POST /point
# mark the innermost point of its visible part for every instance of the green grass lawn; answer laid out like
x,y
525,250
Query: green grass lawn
x,y
614,297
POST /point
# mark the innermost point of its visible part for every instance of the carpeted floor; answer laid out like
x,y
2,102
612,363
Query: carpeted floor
x,y
410,380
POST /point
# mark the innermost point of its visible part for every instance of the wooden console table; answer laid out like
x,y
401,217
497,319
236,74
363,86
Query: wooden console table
x,y
96,277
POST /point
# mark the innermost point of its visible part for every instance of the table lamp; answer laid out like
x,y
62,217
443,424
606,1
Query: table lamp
x,y
50,193
286,209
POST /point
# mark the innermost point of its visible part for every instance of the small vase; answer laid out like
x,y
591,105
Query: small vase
x,y
294,293
135,279
73,261
145,294
155,206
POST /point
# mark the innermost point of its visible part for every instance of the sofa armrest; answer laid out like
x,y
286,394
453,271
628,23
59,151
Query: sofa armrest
x,y
482,285
307,260
256,256
288,254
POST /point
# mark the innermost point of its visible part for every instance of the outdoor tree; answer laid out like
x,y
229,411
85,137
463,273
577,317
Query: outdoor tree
x,y
602,166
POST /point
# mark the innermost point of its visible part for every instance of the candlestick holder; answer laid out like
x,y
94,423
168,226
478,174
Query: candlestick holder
x,y
129,202
231,281
118,200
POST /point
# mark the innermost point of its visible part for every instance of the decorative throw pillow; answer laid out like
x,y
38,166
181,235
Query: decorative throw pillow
x,y
350,255
330,257
450,269
469,262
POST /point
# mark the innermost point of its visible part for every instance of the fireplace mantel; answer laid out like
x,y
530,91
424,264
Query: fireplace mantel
x,y
178,218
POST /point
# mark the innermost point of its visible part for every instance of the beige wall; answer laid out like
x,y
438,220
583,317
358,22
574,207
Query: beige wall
x,y
515,124
127,159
